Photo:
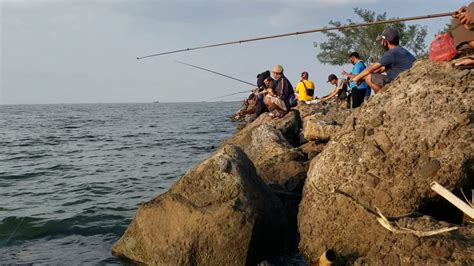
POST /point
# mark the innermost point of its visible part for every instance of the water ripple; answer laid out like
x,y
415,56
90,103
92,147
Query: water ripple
x,y
72,176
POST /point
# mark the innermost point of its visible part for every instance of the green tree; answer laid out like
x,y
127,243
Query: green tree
x,y
336,49
447,28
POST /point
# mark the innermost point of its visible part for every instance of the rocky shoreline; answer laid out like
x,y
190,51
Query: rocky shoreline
x,y
312,180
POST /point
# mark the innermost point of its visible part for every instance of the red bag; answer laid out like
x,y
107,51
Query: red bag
x,y
442,48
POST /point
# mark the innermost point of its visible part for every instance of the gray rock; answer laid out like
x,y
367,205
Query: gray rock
x,y
209,217
408,142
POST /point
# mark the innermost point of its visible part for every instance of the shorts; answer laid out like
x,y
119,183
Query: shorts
x,y
380,79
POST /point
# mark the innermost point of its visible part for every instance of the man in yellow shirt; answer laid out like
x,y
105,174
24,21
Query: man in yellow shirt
x,y
305,88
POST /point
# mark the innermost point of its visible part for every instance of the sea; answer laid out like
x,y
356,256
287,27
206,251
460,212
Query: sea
x,y
73,175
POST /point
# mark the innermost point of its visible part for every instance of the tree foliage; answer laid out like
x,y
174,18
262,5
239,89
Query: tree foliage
x,y
336,49
447,28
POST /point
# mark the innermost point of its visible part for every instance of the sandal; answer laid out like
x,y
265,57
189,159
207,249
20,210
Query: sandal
x,y
466,62
276,114
280,114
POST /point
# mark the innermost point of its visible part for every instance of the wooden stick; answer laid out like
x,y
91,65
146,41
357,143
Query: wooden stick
x,y
453,199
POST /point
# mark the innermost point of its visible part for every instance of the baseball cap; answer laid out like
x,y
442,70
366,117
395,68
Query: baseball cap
x,y
389,34
277,69
332,77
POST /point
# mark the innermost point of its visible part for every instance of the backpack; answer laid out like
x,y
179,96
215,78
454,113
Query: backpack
x,y
442,48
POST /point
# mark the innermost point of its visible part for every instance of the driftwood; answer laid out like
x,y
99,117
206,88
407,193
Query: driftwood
x,y
402,230
384,221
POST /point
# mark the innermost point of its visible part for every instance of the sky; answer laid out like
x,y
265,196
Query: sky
x,y
84,51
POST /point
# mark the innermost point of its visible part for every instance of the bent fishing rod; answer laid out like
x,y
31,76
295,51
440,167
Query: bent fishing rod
x,y
324,29
215,72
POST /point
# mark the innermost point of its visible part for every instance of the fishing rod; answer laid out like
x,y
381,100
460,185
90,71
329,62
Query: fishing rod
x,y
240,92
215,72
305,32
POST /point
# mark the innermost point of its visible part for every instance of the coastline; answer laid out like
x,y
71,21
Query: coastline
x,y
346,164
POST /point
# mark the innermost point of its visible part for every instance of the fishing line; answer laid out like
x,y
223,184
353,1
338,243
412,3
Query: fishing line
x,y
14,231
215,72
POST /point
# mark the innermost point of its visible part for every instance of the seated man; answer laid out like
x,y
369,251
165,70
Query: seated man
x,y
340,90
395,60
261,78
463,34
248,107
278,100
305,88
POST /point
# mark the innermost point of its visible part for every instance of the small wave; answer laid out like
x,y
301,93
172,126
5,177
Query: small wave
x,y
76,202
121,148
26,228
86,137
22,175
26,157
92,250
60,167
136,135
71,127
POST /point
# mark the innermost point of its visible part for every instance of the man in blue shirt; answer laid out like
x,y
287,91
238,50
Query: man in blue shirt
x,y
395,60
358,92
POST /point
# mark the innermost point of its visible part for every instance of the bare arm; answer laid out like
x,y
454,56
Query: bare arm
x,y
371,69
380,70
347,74
465,15
332,94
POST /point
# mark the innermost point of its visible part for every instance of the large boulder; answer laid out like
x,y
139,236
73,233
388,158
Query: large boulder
x,y
321,127
270,144
219,213
309,109
418,130
318,128
276,161
311,149
289,126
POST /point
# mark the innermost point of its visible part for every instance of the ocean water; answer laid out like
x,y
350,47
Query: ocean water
x,y
72,176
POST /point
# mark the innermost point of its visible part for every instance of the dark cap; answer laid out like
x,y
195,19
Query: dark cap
x,y
264,75
354,54
332,77
390,34
261,77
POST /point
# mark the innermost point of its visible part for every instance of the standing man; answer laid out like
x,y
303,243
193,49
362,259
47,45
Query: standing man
x,y
305,88
395,60
358,92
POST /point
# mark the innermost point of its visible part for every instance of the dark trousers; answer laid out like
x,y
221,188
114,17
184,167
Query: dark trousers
x,y
357,96
260,107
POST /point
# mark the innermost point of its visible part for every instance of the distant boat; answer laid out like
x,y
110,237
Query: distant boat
x,y
156,101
